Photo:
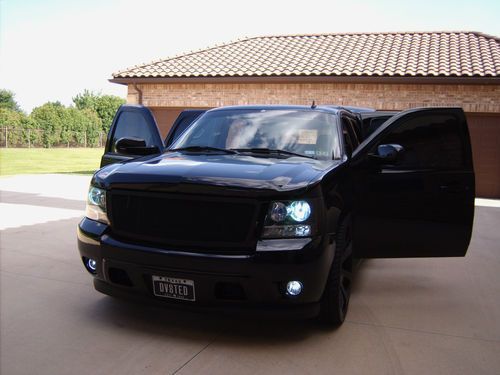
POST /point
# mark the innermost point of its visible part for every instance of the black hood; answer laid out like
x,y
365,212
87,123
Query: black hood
x,y
238,171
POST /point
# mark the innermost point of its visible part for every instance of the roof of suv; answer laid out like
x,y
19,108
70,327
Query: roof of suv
x,y
324,108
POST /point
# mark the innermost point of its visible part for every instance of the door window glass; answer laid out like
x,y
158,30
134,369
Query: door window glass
x,y
350,140
132,124
430,142
182,125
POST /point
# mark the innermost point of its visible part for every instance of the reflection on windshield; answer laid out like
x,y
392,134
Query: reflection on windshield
x,y
309,133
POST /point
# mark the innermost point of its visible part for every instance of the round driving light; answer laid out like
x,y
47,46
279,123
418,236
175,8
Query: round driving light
x,y
92,264
299,211
278,212
293,288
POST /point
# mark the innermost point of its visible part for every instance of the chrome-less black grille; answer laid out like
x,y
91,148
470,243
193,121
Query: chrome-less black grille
x,y
182,220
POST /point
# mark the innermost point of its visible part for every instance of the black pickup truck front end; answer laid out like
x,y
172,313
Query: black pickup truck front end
x,y
209,251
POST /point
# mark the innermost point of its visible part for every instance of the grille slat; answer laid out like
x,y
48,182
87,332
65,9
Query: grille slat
x,y
180,220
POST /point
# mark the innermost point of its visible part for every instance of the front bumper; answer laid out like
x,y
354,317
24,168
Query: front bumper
x,y
253,284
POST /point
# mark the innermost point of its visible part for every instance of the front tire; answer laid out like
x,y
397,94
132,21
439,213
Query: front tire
x,y
335,300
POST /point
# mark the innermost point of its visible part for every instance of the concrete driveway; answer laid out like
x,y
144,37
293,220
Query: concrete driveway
x,y
407,316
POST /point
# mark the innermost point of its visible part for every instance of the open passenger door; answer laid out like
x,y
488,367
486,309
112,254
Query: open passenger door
x,y
413,184
136,123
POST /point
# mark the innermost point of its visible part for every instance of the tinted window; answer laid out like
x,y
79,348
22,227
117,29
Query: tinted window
x,y
310,133
132,124
182,125
373,124
430,142
350,139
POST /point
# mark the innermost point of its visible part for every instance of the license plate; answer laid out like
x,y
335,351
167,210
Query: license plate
x,y
170,287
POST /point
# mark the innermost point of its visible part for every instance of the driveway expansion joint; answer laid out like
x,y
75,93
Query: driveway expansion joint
x,y
193,357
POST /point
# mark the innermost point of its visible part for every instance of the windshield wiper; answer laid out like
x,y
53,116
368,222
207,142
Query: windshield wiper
x,y
203,149
269,151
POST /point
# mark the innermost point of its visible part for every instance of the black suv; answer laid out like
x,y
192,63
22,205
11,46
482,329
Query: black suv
x,y
263,208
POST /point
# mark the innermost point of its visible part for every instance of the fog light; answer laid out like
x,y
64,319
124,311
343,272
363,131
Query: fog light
x,y
293,288
91,264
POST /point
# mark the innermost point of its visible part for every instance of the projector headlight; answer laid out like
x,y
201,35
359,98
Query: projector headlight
x,y
96,205
278,212
288,220
299,211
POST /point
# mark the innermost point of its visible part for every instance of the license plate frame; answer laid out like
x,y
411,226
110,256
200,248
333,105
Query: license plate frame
x,y
173,288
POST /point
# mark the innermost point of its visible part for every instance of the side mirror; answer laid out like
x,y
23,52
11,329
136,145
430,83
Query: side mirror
x,y
388,153
134,146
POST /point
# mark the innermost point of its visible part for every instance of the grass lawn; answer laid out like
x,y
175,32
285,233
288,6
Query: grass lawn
x,y
54,160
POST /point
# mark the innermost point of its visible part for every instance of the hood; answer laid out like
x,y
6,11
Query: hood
x,y
238,171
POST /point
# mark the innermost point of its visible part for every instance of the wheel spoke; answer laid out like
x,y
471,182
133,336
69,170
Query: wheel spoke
x,y
345,287
344,297
347,252
340,280
343,291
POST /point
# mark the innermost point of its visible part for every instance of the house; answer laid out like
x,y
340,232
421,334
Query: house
x,y
386,71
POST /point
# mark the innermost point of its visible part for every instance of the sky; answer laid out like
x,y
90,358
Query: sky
x,y
51,50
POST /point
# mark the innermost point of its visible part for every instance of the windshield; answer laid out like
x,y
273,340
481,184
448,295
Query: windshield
x,y
307,133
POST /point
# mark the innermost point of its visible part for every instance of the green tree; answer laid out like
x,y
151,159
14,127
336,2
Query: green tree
x,y
7,100
83,127
104,105
10,118
17,126
67,126
50,118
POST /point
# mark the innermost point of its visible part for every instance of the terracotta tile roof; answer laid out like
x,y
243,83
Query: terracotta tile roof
x,y
424,54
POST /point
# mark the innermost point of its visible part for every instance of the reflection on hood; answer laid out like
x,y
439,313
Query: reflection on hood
x,y
219,170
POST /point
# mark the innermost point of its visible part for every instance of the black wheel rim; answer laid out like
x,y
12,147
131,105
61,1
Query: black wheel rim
x,y
345,275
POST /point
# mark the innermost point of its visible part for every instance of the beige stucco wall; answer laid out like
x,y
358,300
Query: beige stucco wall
x,y
472,98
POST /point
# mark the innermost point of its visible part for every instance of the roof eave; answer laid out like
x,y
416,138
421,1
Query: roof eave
x,y
313,79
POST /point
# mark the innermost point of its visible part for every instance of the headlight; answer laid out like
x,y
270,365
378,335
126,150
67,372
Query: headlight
x,y
299,211
288,220
278,212
96,205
